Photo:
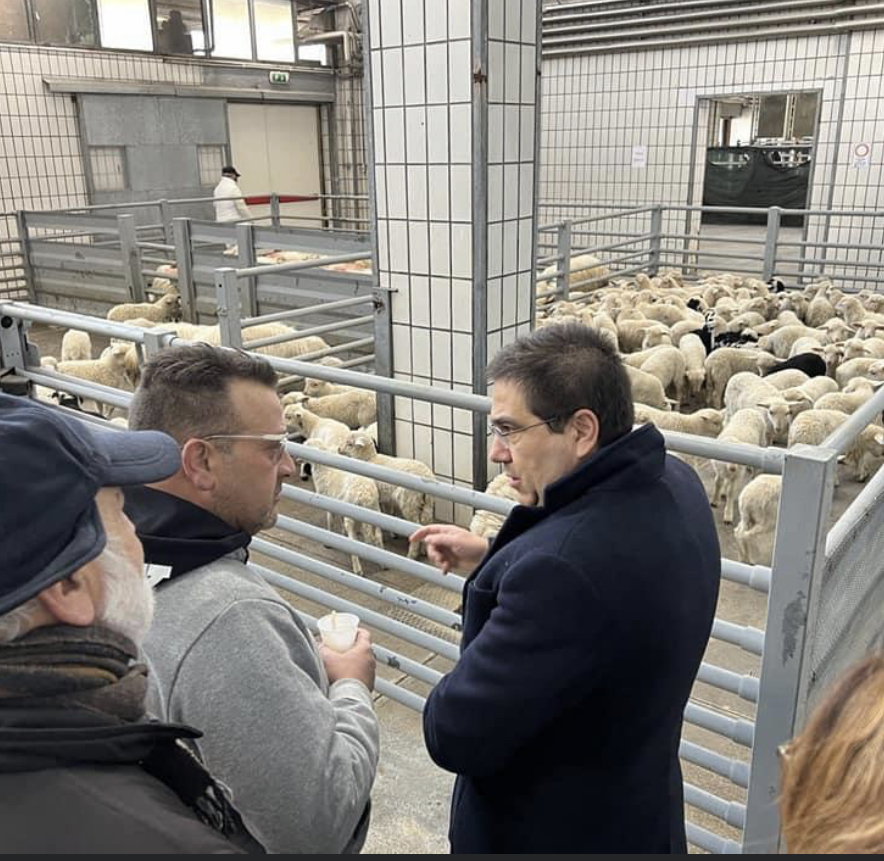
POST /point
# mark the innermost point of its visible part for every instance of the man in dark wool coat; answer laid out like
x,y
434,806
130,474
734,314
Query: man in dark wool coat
x,y
585,621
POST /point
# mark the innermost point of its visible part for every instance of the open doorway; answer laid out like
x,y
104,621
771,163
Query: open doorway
x,y
759,153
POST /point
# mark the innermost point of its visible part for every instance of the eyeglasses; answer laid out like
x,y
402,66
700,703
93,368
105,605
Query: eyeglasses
x,y
279,438
504,434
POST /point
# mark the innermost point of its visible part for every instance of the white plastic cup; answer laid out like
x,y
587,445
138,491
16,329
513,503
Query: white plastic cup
x,y
338,630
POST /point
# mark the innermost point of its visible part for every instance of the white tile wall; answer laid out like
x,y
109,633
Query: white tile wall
x,y
461,250
391,23
414,74
396,197
394,135
392,71
461,133
437,134
439,192
462,356
420,344
420,301
441,344
416,135
437,72
459,71
413,23
458,19
461,193
440,248
462,306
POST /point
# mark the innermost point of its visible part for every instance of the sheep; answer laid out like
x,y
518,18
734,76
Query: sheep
x,y
637,359
167,307
695,362
656,336
163,284
76,346
488,523
668,314
668,365
808,393
109,370
721,365
845,372
412,505
788,378
855,394
746,390
581,269
372,431
818,311
780,341
705,422
320,388
347,487
811,364
806,345
354,408
647,389
299,420
836,330
745,320
747,426
631,333
758,505
814,426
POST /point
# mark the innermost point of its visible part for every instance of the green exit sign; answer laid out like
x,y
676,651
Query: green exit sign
x,y
279,77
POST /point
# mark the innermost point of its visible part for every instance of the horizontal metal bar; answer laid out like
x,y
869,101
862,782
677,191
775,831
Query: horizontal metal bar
x,y
93,325
710,842
172,276
297,265
304,333
734,770
855,512
699,237
843,437
76,386
699,252
461,400
369,617
347,363
824,261
402,479
781,243
353,581
452,582
746,637
766,459
158,246
706,267
302,312
745,687
638,210
400,695
739,730
610,247
756,577
384,558
329,351
731,812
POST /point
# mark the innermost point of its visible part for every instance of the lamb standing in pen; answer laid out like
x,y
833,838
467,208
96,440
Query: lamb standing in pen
x,y
409,504
758,504
488,523
76,346
355,408
347,487
167,307
747,426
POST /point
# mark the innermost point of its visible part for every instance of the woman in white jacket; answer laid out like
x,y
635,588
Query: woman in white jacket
x,y
229,205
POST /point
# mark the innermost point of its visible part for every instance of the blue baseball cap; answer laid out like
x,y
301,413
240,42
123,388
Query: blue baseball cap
x,y
51,467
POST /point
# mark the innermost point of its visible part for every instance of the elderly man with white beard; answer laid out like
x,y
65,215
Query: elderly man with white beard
x,y
81,769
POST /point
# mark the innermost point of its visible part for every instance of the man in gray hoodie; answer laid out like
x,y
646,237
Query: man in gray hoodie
x,y
288,727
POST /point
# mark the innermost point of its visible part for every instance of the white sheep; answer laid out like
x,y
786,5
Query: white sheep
x,y
780,341
76,346
167,307
786,379
814,426
668,365
409,504
355,408
347,487
750,427
109,370
846,371
299,420
745,390
705,422
855,394
758,504
806,345
647,389
722,364
487,523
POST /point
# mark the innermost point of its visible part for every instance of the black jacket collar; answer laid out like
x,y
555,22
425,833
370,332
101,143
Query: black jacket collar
x,y
178,533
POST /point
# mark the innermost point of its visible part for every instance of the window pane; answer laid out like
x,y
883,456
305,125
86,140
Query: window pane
x,y
125,24
211,160
180,27
107,163
65,22
13,21
804,123
230,20
772,119
273,30
313,52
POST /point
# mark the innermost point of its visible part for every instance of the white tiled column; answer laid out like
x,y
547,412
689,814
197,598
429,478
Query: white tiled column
x,y
453,123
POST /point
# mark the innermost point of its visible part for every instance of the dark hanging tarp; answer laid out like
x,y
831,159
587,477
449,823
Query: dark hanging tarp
x,y
755,176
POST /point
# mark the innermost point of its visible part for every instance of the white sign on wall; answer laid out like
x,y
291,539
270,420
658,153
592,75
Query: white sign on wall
x,y
862,156
639,155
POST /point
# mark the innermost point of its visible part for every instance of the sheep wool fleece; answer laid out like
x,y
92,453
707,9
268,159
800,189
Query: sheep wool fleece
x,y
233,658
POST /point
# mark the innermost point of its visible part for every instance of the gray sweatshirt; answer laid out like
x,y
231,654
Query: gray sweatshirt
x,y
229,656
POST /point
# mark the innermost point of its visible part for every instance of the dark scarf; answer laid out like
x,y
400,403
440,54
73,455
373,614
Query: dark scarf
x,y
66,667
178,533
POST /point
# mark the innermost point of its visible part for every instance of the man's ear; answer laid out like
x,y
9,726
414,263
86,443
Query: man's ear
x,y
74,600
197,464
586,425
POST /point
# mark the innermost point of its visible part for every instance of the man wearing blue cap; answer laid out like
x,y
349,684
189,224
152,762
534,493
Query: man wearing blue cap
x,y
81,770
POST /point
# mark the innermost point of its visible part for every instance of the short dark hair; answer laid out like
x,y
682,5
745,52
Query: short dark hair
x,y
184,390
564,368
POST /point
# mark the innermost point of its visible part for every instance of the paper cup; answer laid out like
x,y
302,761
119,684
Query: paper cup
x,y
338,630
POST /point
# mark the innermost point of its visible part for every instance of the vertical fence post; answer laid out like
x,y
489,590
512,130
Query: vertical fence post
x,y
184,261
227,306
131,255
166,219
274,209
563,263
383,367
656,240
24,241
769,266
798,561
245,242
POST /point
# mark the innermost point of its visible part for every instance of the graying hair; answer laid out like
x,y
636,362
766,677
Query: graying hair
x,y
17,621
